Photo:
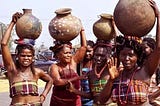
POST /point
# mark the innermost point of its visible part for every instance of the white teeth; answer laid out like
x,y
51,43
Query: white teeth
x,y
25,62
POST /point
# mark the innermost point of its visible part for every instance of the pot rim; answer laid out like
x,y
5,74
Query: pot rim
x,y
106,16
63,11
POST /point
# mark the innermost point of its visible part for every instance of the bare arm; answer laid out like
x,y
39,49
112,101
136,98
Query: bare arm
x,y
114,73
155,56
54,73
78,92
82,50
46,78
106,92
57,80
7,59
154,95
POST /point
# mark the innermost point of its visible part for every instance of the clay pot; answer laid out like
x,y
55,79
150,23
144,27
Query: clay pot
x,y
64,26
28,26
134,17
103,28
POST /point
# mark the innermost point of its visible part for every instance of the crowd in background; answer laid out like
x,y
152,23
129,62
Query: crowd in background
x,y
123,71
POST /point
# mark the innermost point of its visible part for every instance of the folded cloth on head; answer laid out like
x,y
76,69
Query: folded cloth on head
x,y
25,41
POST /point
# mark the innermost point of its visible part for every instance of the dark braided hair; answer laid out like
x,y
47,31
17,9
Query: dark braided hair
x,y
122,42
59,46
19,49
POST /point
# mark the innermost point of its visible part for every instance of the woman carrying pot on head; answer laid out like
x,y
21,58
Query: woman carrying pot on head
x,y
22,75
65,71
99,74
148,45
85,68
128,85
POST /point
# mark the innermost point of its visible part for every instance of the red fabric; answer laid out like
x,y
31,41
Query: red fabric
x,y
62,97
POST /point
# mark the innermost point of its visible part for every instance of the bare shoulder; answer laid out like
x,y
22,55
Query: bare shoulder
x,y
39,70
54,67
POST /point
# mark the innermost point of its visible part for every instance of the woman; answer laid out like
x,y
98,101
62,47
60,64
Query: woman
x,y
22,75
65,71
86,66
130,88
99,75
148,45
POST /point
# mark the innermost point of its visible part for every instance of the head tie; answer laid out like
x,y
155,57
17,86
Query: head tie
x,y
25,42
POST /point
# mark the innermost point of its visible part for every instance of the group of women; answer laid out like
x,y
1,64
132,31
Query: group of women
x,y
116,73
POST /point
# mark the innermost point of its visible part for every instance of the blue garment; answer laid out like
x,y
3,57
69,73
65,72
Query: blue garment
x,y
85,88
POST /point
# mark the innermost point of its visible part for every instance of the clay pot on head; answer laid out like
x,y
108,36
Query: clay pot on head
x,y
28,26
134,17
103,28
64,26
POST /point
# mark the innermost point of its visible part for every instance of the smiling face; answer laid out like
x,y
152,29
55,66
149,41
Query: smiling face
x,y
25,57
100,56
89,53
65,54
128,58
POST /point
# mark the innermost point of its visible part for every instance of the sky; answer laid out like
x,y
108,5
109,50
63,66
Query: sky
x,y
87,10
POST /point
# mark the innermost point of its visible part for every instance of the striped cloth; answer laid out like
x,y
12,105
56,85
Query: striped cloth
x,y
23,88
132,92
97,86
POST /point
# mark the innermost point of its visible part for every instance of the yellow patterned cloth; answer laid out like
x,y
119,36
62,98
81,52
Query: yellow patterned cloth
x,y
23,88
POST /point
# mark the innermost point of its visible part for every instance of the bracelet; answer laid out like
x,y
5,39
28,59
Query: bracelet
x,y
43,96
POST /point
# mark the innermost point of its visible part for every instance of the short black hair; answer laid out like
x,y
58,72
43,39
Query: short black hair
x,y
90,43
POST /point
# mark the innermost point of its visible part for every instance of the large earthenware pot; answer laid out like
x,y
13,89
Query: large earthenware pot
x,y
134,17
28,26
103,28
64,26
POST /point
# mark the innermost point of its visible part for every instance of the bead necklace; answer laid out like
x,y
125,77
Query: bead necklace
x,y
124,102
99,74
24,76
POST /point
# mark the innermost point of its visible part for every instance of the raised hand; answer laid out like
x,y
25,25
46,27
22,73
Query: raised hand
x,y
16,16
155,7
113,70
